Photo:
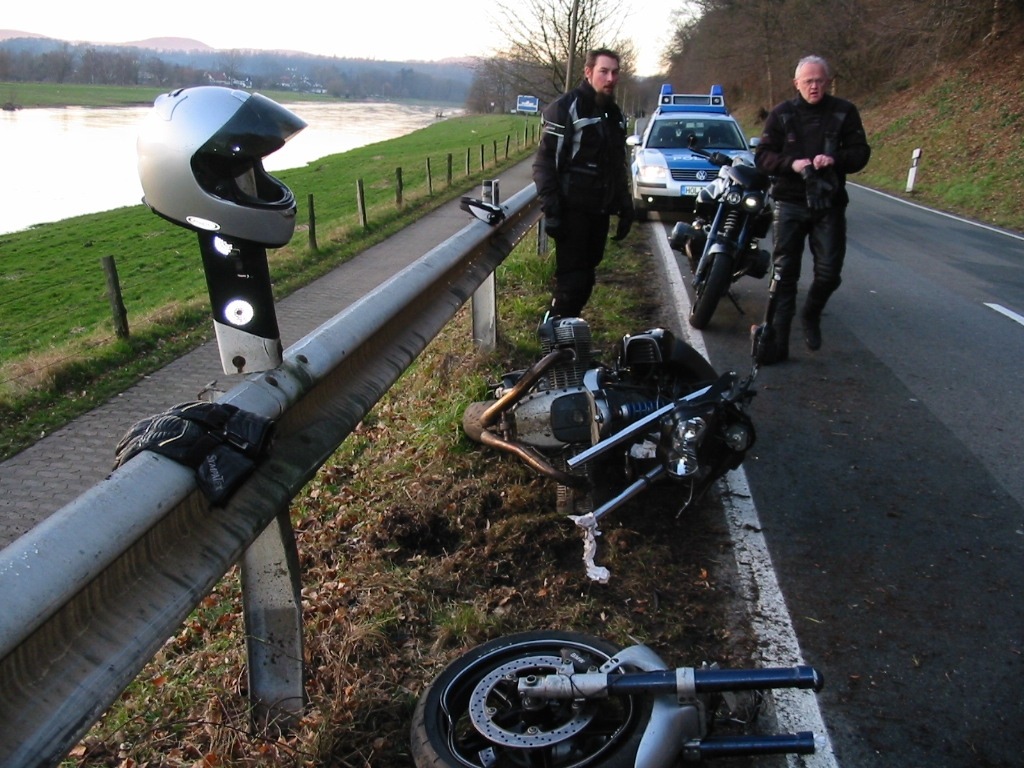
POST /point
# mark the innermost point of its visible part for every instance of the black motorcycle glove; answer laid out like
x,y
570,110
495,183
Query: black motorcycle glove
x,y
553,225
819,189
244,431
219,441
624,225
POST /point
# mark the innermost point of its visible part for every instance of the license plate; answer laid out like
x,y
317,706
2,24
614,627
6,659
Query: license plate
x,y
691,191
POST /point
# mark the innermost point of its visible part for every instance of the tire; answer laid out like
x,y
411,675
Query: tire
x,y
640,213
711,291
604,732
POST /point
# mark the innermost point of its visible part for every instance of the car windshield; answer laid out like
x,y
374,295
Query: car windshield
x,y
675,134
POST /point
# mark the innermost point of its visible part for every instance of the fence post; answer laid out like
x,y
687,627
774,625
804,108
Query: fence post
x,y
312,222
430,180
912,175
361,203
485,298
449,174
398,187
114,295
483,157
272,609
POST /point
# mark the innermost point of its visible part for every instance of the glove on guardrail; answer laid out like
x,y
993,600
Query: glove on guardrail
x,y
219,441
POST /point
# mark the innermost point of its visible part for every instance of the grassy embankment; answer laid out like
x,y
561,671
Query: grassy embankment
x,y
28,95
59,355
414,544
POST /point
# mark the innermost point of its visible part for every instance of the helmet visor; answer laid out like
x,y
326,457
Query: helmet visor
x,y
229,165
259,127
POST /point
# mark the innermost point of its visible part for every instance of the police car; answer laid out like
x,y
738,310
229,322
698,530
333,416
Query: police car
x,y
666,175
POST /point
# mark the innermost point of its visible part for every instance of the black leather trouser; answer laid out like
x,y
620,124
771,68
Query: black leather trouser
x,y
825,232
578,250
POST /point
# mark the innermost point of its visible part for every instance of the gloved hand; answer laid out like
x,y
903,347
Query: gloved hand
x,y
625,223
553,225
219,441
819,189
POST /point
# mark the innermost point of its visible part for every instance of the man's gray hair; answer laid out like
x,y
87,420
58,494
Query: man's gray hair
x,y
813,60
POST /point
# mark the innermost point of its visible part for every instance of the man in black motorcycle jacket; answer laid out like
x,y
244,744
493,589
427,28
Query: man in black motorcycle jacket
x,y
809,144
581,176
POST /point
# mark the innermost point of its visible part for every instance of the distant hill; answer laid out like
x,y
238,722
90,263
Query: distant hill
x,y
10,34
189,45
169,44
189,61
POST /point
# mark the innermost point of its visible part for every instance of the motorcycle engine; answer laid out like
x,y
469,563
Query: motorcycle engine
x,y
562,333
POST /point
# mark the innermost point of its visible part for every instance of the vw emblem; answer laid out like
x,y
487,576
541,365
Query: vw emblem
x,y
702,175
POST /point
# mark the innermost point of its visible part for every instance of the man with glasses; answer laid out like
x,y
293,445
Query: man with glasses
x,y
809,144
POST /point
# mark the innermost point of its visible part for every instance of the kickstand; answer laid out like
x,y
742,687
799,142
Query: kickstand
x,y
735,303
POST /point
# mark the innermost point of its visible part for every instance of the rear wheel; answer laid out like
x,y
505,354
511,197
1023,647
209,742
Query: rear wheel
x,y
711,291
472,715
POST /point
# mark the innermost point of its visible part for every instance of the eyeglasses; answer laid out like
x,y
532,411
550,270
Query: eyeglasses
x,y
814,81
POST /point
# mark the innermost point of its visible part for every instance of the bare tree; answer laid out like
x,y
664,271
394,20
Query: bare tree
x,y
546,35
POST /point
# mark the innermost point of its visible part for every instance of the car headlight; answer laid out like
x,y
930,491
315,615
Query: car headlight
x,y
652,174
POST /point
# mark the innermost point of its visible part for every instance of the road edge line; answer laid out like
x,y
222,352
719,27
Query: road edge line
x,y
772,625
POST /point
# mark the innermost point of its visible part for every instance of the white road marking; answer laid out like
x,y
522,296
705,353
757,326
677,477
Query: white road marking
x,y
794,710
937,212
1004,311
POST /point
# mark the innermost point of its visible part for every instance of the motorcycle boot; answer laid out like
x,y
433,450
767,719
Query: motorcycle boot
x,y
776,349
810,317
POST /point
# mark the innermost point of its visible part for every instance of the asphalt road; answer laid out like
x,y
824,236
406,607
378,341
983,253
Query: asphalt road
x,y
887,476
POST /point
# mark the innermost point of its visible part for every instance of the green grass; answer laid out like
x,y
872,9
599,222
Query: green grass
x,y
59,355
77,95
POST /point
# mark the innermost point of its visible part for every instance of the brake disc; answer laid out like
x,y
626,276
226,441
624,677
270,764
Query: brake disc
x,y
569,720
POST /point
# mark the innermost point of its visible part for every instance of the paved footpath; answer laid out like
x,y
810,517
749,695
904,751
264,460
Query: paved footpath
x,y
61,466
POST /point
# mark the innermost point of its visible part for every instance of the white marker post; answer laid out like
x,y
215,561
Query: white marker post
x,y
913,169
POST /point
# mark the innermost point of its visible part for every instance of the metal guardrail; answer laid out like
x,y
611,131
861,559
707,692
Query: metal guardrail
x,y
92,593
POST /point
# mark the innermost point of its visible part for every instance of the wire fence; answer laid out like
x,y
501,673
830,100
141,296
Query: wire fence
x,y
56,312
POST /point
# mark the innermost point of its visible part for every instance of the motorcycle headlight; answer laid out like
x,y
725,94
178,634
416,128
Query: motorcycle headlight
x,y
684,440
733,197
753,201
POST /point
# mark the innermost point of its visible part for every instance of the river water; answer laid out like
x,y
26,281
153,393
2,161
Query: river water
x,y
58,163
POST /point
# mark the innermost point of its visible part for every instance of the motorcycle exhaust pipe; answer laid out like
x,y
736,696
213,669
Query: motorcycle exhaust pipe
x,y
521,387
472,424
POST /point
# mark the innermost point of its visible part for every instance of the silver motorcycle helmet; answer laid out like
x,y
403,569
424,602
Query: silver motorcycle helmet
x,y
200,160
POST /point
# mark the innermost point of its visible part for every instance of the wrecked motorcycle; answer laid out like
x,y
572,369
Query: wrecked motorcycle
x,y
606,433
563,699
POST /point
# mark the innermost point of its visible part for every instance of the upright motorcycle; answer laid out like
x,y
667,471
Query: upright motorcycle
x,y
556,699
607,433
732,214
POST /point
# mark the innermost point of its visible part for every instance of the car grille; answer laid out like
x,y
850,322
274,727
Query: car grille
x,y
690,174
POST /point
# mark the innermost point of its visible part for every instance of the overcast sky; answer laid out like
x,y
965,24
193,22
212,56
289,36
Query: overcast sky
x,y
400,31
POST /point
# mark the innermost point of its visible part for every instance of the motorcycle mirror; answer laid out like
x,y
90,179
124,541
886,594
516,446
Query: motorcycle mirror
x,y
488,212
